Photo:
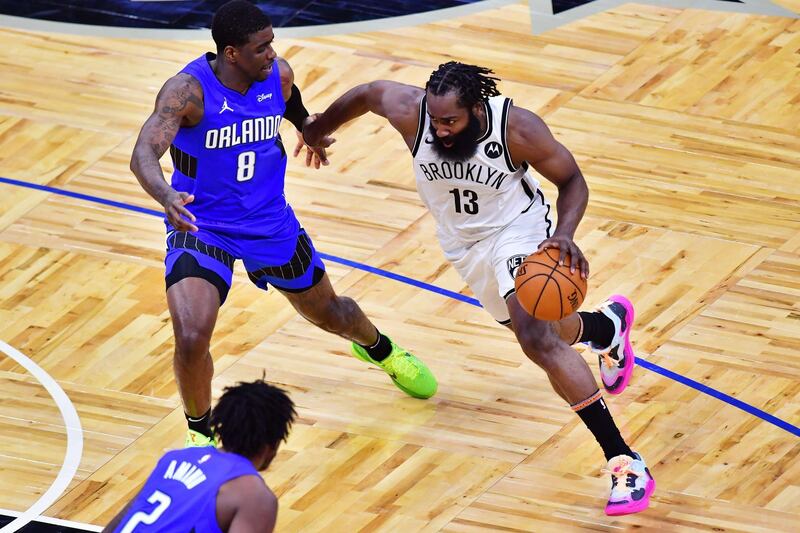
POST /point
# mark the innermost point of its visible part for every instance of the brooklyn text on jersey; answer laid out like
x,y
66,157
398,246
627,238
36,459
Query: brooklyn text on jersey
x,y
457,170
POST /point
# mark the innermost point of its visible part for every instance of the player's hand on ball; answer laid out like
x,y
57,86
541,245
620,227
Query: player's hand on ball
x,y
177,214
567,247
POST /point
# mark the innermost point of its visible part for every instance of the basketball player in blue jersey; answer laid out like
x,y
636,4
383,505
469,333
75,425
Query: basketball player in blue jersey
x,y
472,149
219,118
204,489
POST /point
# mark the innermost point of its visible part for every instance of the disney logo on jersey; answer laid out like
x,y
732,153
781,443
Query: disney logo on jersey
x,y
493,149
262,97
513,263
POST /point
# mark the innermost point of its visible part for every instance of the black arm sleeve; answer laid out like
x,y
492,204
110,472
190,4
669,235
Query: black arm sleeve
x,y
295,112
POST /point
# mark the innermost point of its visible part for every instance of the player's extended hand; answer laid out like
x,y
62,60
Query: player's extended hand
x,y
177,214
567,247
314,154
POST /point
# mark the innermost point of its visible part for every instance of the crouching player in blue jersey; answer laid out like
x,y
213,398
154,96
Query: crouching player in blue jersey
x,y
205,489
219,118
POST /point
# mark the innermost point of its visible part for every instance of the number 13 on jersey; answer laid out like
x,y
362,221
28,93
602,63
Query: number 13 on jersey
x,y
466,201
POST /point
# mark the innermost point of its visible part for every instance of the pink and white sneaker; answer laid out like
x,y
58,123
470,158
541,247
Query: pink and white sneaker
x,y
631,485
617,359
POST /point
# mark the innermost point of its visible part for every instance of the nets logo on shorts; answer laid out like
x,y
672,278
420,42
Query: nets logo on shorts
x,y
493,149
513,263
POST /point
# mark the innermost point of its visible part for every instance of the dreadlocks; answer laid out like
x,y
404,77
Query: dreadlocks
x,y
471,83
250,416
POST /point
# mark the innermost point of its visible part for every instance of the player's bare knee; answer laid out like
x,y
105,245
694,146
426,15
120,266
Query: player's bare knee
x,y
191,343
541,346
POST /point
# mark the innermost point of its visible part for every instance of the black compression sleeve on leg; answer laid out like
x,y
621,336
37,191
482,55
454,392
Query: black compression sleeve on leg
x,y
595,415
597,329
295,112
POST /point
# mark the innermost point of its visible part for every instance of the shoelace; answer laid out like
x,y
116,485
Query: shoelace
x,y
620,469
608,360
605,354
403,364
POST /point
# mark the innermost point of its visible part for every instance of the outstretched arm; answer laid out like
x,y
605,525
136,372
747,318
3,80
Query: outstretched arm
x,y
179,103
530,140
296,113
397,102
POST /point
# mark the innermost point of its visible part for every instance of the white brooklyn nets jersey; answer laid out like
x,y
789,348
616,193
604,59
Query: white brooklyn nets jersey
x,y
472,199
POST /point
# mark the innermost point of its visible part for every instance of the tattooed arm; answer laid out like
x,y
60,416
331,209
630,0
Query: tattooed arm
x,y
178,104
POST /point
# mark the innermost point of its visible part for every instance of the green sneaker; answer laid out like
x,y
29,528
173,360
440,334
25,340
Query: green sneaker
x,y
408,373
195,439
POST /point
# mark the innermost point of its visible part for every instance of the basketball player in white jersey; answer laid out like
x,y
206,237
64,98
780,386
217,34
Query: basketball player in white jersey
x,y
472,151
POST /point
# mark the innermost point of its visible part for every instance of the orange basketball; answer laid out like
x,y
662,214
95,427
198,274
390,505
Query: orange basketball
x,y
546,290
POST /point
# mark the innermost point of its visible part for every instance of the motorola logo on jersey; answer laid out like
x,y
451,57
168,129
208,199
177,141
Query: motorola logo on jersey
x,y
244,132
493,149
513,263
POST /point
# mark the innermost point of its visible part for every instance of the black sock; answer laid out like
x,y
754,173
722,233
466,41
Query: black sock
x,y
596,416
381,349
201,425
597,328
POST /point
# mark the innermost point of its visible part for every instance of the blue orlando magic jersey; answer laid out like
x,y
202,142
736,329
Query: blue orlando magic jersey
x,y
234,161
181,493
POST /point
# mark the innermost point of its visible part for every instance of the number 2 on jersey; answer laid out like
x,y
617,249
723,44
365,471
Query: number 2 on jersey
x,y
246,168
150,518
466,201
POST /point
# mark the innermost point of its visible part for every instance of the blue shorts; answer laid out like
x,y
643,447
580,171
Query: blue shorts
x,y
287,261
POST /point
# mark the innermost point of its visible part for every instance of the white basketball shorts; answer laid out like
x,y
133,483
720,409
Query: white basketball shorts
x,y
489,266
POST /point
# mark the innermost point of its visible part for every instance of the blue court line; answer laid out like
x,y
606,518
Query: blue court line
x,y
397,277
746,407
730,400
80,196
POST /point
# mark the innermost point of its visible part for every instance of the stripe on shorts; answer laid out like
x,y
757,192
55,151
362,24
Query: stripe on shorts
x,y
188,241
296,267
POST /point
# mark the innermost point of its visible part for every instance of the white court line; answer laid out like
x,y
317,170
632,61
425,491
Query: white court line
x,y
72,457
57,521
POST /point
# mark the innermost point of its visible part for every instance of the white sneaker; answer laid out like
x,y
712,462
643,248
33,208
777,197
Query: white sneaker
x,y
617,359
631,485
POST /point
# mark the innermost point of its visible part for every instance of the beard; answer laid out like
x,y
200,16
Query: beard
x,y
464,142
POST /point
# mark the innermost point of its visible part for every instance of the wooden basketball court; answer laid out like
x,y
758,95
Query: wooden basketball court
x,y
685,124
